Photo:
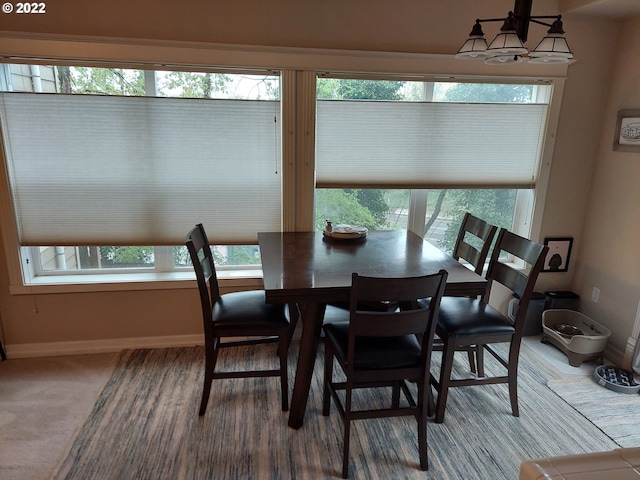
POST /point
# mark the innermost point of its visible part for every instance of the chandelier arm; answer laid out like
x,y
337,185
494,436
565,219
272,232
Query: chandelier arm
x,y
490,19
533,19
557,17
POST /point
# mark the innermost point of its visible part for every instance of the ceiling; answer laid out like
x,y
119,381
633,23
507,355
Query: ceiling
x,y
604,8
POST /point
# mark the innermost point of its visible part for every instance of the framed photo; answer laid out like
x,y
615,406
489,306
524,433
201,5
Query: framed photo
x,y
627,135
557,259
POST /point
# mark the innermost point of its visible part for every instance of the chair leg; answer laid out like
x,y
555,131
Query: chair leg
x,y
423,396
284,372
445,380
513,380
3,356
328,375
431,404
347,432
480,360
206,391
395,397
211,356
472,359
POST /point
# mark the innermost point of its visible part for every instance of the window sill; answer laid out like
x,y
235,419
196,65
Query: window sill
x,y
132,281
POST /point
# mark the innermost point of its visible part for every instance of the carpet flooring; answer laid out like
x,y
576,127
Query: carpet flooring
x,y
43,401
616,414
145,426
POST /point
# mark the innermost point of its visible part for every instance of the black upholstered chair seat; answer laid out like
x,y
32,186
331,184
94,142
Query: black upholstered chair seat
x,y
248,308
463,316
375,353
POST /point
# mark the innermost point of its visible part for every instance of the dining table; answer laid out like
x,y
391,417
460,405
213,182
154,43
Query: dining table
x,y
311,269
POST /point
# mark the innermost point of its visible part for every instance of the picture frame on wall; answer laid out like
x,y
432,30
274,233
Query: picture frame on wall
x,y
627,134
557,259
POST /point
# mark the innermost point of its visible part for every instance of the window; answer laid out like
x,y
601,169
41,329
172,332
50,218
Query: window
x,y
386,153
127,158
418,155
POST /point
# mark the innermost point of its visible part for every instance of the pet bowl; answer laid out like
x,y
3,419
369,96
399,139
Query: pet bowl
x,y
566,330
616,379
578,336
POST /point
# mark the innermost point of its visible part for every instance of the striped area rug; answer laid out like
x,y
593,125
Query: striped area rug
x,y
145,425
616,414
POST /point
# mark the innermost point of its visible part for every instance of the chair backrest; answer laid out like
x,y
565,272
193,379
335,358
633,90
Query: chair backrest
x,y
519,279
420,320
200,251
474,250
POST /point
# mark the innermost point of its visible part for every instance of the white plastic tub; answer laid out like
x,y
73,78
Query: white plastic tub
x,y
577,335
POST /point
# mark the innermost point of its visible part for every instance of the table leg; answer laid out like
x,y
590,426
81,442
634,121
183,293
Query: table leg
x,y
311,325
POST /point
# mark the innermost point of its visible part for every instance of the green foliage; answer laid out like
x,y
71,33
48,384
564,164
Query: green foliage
x,y
118,81
181,256
106,81
374,201
369,90
327,88
487,93
493,206
397,200
413,92
348,89
242,255
126,256
193,84
222,255
344,206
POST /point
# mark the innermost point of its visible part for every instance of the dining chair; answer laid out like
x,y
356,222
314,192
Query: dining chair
x,y
242,318
384,349
464,321
474,240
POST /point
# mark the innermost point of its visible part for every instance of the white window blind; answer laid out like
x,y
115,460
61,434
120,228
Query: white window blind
x,y
428,145
101,170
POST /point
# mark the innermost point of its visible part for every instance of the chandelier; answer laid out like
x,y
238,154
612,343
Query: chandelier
x,y
508,46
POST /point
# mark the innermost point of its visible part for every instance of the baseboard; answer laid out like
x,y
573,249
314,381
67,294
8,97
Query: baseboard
x,y
628,353
55,349
85,347
614,355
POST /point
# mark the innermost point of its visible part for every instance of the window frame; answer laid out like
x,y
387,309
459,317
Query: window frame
x,y
298,71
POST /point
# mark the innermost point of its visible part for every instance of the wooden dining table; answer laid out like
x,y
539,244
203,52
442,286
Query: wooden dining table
x,y
311,270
